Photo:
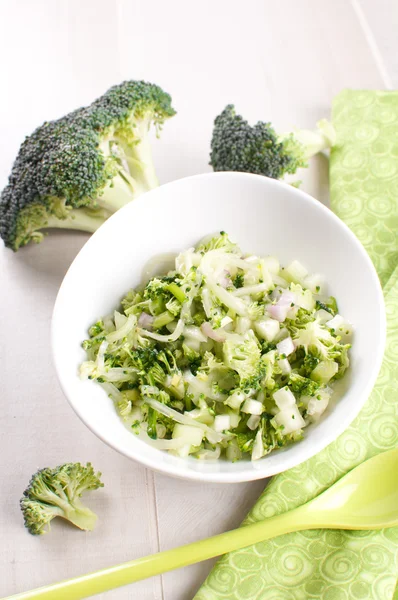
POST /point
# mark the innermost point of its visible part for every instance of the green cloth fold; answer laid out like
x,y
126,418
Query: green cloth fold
x,y
339,565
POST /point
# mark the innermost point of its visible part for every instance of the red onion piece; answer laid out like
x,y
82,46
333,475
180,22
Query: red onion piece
x,y
286,299
215,335
278,312
145,321
225,279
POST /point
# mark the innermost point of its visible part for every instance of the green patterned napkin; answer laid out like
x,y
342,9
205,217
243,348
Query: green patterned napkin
x,y
339,565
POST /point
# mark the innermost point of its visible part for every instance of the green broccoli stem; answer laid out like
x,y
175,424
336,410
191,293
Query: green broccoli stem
x,y
177,292
80,219
81,516
121,190
151,430
68,508
313,142
163,319
139,157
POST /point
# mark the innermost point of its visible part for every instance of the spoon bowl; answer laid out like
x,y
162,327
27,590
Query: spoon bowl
x,y
365,498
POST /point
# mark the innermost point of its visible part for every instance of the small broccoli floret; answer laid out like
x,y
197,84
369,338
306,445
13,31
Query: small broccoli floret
x,y
194,359
218,242
239,280
245,441
339,354
75,172
238,146
329,305
243,355
313,337
303,386
56,493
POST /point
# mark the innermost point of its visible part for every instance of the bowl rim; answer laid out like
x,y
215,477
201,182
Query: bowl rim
x,y
232,477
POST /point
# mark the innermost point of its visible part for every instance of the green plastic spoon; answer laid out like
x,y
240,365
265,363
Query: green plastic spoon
x,y
365,498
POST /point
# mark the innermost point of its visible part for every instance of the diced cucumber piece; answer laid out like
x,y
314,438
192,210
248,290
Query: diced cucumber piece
x,y
272,264
234,419
235,400
252,407
284,398
295,272
323,316
193,436
318,404
341,327
289,420
315,283
324,371
267,329
253,422
202,415
222,422
284,365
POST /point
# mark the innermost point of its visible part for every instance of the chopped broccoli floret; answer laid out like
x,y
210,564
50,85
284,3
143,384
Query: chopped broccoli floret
x,y
218,242
339,353
243,355
303,386
313,337
56,493
75,172
329,305
245,440
151,430
239,280
194,359
309,362
238,146
96,329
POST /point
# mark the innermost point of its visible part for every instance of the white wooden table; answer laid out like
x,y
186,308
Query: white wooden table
x,y
280,61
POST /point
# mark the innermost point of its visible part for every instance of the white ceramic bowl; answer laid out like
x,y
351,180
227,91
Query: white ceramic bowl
x,y
264,216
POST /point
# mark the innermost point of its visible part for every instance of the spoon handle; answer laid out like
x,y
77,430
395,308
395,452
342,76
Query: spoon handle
x,y
148,566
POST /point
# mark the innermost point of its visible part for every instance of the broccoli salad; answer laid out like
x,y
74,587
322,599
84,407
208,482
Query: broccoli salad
x,y
228,355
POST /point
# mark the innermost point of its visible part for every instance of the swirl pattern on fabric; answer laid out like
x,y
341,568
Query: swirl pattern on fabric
x,y
339,565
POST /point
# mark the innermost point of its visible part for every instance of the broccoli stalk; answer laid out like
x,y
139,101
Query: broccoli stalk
x,y
75,172
139,155
35,217
56,493
238,146
311,142
78,219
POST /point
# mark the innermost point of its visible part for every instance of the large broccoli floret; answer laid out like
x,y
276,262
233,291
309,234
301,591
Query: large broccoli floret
x,y
243,355
75,172
238,146
56,493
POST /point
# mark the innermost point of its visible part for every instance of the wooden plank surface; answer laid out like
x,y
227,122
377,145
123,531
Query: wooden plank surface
x,y
280,61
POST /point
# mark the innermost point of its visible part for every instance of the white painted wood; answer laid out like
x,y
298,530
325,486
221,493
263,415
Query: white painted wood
x,y
280,61
379,21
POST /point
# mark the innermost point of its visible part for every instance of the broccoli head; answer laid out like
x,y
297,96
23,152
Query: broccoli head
x,y
238,146
56,493
75,172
